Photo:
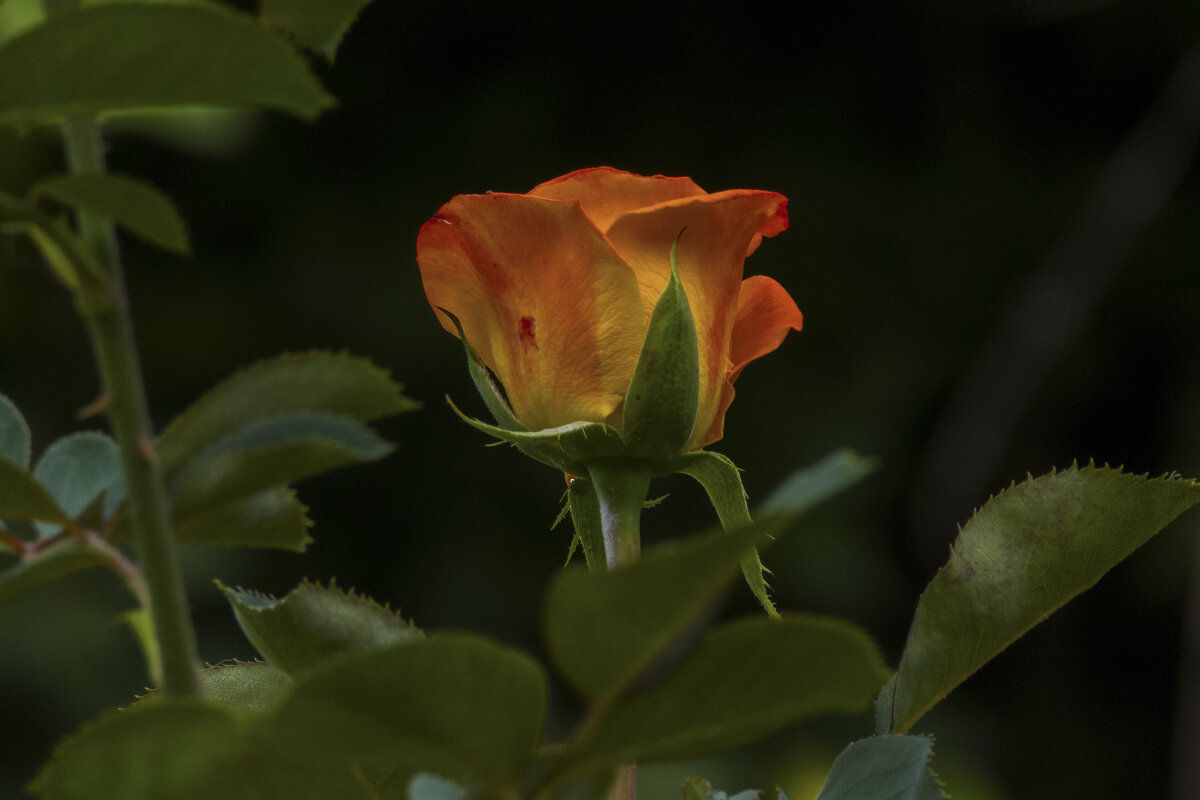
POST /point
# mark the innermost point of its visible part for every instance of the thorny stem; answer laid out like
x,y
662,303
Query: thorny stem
x,y
110,329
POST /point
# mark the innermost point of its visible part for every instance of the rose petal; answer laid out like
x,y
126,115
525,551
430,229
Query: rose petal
x,y
547,304
720,229
765,314
606,193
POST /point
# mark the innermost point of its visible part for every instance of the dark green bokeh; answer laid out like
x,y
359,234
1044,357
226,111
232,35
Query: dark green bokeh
x,y
933,153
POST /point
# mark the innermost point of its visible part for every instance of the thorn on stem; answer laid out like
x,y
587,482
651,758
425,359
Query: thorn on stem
x,y
96,407
146,448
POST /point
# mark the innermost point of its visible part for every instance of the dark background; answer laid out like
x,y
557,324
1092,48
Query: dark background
x,y
936,154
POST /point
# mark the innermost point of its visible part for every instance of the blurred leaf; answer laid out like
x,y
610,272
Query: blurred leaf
x,y
135,204
664,393
76,470
722,481
316,24
431,787
18,15
455,705
315,381
14,434
141,624
23,498
271,518
605,628
744,680
313,623
700,789
883,768
127,56
273,452
1023,555
185,750
57,560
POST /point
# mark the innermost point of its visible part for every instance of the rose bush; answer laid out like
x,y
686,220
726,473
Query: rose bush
x,y
554,289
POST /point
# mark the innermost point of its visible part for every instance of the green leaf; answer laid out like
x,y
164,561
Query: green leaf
x,y
252,686
722,480
133,56
18,15
454,705
57,560
660,405
604,628
1023,555
66,255
883,768
184,749
316,381
271,518
143,209
316,24
313,623
141,624
744,680
271,452
76,470
23,498
14,434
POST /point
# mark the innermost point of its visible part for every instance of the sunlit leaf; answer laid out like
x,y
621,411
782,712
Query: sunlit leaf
x,y
129,202
1023,555
313,622
127,56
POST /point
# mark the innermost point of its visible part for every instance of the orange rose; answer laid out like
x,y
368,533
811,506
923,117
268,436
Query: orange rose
x,y
555,288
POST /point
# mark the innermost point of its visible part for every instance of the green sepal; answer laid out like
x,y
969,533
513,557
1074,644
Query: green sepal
x,y
493,398
1022,556
317,25
136,56
662,399
700,789
568,448
132,203
76,470
15,440
313,623
722,480
884,768
742,681
584,507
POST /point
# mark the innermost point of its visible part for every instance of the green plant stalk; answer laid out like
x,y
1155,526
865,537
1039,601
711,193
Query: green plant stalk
x,y
621,487
106,313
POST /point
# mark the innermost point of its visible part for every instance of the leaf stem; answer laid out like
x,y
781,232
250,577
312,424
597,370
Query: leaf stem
x,y
621,487
110,328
